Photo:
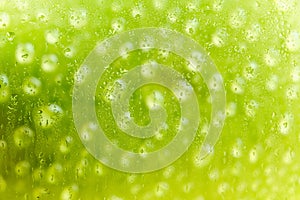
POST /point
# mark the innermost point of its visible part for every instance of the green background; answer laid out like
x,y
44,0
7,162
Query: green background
x,y
255,46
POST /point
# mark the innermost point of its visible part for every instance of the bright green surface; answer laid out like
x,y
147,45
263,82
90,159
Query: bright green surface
x,y
256,47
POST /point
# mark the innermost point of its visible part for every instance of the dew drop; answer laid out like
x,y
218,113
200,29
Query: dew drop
x,y
272,83
231,109
161,189
118,25
191,26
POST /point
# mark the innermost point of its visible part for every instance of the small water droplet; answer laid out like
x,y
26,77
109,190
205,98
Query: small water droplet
x,y
10,36
4,20
49,62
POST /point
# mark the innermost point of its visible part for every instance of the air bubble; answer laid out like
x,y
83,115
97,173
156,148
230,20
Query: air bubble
x,y
49,62
65,145
4,20
47,116
4,88
237,18
196,61
32,86
23,136
78,18
25,53
236,150
293,41
52,36
42,17
22,168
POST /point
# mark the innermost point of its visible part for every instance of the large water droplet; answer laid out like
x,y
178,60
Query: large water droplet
x,y
25,53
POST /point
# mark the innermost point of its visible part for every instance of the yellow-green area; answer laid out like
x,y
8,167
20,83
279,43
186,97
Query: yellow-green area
x,y
255,46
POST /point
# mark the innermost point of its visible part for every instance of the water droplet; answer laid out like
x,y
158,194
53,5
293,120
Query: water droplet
x,y
293,41
10,36
213,175
54,173
3,145
40,193
52,36
25,53
237,86
231,109
219,37
251,107
4,20
98,169
223,187
78,18
47,116
295,74
288,156
272,83
253,155
4,88
23,136
49,62
22,168
292,92
42,16
161,189
69,52
284,5
32,86
272,57
285,123
253,33
218,5
118,25
191,26
237,18
69,193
